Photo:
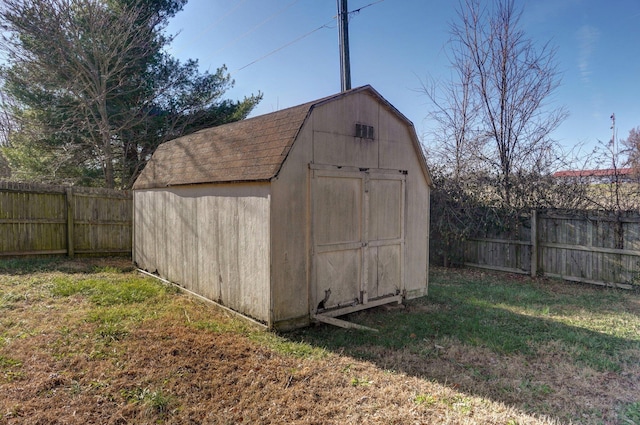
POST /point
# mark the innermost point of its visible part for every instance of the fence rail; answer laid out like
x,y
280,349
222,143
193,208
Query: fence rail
x,y
41,220
577,246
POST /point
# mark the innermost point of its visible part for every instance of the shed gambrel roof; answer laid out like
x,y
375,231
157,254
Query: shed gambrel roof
x,y
247,150
250,150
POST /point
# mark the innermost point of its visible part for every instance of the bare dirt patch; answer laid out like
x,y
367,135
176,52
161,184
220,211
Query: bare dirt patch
x,y
167,372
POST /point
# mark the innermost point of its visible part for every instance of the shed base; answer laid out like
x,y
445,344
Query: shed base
x,y
248,319
358,307
416,293
291,324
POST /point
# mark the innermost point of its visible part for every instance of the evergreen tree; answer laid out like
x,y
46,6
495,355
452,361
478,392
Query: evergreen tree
x,y
93,91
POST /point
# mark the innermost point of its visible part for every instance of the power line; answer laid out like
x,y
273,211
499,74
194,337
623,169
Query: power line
x,y
235,40
287,45
213,24
324,26
356,11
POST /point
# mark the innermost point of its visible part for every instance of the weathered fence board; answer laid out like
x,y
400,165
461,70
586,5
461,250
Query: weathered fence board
x,y
38,219
601,249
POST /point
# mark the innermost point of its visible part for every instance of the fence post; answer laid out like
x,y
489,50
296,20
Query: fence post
x,y
534,243
69,198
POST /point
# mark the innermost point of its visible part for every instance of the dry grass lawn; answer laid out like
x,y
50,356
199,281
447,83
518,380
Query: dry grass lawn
x,y
93,342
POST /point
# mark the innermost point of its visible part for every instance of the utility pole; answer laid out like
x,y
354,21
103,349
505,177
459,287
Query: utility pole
x,y
343,34
613,133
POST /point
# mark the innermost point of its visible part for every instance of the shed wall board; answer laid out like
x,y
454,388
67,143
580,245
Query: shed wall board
x,y
158,205
144,251
395,154
208,247
340,115
391,149
211,239
417,240
344,150
290,234
334,128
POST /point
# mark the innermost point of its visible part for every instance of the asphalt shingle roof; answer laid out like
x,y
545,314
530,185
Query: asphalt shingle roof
x,y
248,150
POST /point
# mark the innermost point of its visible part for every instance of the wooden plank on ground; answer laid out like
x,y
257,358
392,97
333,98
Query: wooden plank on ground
x,y
341,323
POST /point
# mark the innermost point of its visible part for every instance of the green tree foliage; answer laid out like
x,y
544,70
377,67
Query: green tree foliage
x,y
93,92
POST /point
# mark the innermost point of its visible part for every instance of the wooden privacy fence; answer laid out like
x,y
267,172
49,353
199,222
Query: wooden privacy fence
x,y
37,220
582,246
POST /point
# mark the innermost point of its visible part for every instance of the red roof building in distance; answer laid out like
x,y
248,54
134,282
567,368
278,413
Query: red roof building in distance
x,y
606,175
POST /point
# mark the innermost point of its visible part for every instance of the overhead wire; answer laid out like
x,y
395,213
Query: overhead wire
x,y
235,40
324,26
287,45
356,11
212,25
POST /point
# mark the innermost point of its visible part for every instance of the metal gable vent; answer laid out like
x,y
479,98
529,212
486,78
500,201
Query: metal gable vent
x,y
364,131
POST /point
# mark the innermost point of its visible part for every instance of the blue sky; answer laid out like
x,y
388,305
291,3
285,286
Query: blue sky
x,y
397,43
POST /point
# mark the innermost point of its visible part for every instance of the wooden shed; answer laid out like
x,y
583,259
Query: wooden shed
x,y
320,210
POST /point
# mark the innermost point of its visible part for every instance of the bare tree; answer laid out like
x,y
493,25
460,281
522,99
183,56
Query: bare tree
x,y
615,179
631,148
511,80
493,125
457,144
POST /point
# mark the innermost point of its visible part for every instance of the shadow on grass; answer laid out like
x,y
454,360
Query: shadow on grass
x,y
490,323
85,265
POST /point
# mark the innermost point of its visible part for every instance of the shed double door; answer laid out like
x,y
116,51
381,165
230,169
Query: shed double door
x,y
358,235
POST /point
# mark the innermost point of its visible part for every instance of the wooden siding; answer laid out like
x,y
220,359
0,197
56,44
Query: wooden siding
x,y
579,246
394,147
256,255
39,220
290,249
211,239
397,152
327,141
